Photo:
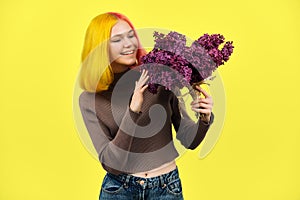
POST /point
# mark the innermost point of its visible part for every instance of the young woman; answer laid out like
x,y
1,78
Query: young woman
x,y
131,128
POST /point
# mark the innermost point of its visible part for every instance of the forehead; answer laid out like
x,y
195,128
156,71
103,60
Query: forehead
x,y
120,27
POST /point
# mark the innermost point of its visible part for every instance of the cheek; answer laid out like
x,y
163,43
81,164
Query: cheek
x,y
134,42
114,51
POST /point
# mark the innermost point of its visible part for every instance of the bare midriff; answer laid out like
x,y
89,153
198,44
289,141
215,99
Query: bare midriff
x,y
164,169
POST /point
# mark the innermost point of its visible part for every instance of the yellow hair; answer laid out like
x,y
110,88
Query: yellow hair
x,y
96,73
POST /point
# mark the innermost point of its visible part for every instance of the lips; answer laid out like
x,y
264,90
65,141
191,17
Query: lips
x,y
127,52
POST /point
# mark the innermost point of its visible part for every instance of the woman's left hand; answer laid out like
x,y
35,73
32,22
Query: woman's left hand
x,y
203,105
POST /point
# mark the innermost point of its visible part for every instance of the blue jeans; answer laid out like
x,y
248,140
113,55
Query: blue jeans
x,y
125,187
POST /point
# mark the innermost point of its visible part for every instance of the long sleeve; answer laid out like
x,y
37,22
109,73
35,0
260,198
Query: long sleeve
x,y
189,133
111,156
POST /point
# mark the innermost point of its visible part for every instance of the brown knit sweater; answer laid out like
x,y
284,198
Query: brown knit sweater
x,y
129,142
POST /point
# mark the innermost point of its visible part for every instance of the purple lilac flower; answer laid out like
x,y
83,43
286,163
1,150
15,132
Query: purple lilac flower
x,y
172,64
172,70
210,41
173,42
227,50
200,60
211,44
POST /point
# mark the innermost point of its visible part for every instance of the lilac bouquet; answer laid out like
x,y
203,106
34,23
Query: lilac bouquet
x,y
172,64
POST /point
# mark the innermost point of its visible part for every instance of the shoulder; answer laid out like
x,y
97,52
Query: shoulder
x,y
87,99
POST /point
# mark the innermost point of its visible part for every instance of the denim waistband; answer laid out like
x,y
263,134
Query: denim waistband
x,y
158,181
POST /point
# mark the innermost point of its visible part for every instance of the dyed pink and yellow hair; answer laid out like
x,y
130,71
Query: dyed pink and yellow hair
x,y
96,72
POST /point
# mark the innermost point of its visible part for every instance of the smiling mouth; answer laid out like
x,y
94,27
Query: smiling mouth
x,y
127,52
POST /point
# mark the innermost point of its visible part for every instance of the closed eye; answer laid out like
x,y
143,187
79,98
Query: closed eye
x,y
119,37
116,40
131,34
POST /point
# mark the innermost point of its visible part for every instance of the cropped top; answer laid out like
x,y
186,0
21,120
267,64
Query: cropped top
x,y
130,142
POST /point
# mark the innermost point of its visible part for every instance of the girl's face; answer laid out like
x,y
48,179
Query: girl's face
x,y
122,46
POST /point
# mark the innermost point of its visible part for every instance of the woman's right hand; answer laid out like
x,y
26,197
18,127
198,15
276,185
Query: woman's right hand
x,y
140,87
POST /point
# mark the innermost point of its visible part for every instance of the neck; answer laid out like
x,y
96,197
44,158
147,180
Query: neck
x,y
117,76
119,68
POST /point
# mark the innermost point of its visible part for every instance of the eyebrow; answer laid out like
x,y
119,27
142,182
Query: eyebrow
x,y
122,34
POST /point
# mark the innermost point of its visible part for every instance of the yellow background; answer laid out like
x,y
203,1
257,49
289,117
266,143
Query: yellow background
x,y
258,153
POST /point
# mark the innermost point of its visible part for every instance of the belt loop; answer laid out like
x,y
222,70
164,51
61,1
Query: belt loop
x,y
163,185
127,181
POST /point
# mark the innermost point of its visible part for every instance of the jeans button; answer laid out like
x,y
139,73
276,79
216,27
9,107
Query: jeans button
x,y
142,182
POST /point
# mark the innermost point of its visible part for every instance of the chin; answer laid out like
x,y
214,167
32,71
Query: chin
x,y
128,62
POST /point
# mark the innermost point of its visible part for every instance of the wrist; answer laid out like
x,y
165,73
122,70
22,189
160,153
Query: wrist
x,y
205,118
135,109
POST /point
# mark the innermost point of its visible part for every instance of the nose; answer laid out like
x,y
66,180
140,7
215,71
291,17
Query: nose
x,y
127,42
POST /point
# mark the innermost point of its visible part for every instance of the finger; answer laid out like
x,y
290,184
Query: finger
x,y
144,73
197,105
144,88
144,80
142,77
202,105
202,91
200,110
205,100
200,100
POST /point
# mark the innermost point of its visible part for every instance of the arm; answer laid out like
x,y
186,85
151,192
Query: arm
x,y
111,156
189,133
113,152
